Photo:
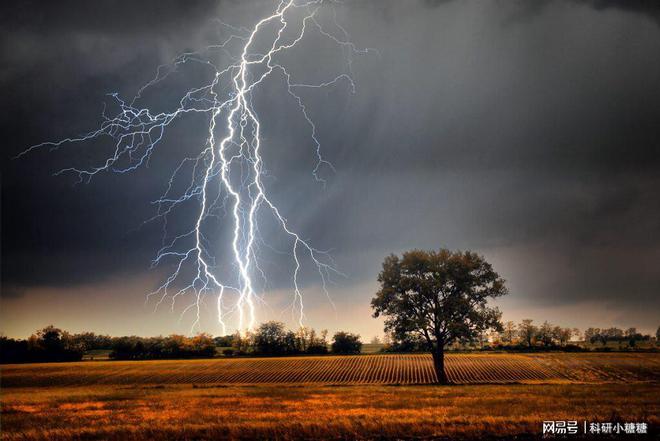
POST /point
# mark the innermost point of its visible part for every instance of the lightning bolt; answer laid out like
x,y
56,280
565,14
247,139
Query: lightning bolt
x,y
227,174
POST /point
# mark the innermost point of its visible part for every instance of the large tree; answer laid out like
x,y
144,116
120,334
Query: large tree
x,y
438,296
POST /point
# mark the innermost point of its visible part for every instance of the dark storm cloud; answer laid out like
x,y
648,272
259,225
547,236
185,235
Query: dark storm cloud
x,y
105,16
638,6
59,61
649,8
521,129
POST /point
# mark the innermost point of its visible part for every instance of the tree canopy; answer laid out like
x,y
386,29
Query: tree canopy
x,y
439,296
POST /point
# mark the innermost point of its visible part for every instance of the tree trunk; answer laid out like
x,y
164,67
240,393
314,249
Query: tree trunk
x,y
439,365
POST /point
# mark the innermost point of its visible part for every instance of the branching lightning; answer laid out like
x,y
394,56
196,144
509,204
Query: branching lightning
x,y
227,173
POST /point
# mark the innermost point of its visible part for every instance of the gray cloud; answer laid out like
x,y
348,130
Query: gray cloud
x,y
525,133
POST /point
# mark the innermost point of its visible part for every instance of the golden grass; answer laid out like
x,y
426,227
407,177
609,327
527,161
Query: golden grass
x,y
352,397
360,369
178,412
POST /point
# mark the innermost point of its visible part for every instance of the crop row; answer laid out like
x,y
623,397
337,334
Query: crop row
x,y
361,369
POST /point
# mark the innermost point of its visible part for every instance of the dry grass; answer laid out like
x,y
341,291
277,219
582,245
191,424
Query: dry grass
x,y
360,369
321,397
312,411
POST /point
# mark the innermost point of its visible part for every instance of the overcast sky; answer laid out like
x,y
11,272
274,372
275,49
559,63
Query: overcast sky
x,y
526,131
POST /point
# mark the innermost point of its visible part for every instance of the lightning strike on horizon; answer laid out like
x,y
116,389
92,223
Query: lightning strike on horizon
x,y
233,161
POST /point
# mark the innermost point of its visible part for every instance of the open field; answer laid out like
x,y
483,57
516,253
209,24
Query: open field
x,y
347,397
182,412
360,369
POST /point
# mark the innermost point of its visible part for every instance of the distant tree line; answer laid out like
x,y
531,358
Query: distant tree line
x,y
528,336
173,346
603,336
52,344
273,339
47,344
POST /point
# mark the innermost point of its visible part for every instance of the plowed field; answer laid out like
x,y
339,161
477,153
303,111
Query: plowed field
x,y
360,369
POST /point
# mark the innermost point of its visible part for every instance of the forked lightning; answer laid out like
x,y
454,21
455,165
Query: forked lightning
x,y
228,172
